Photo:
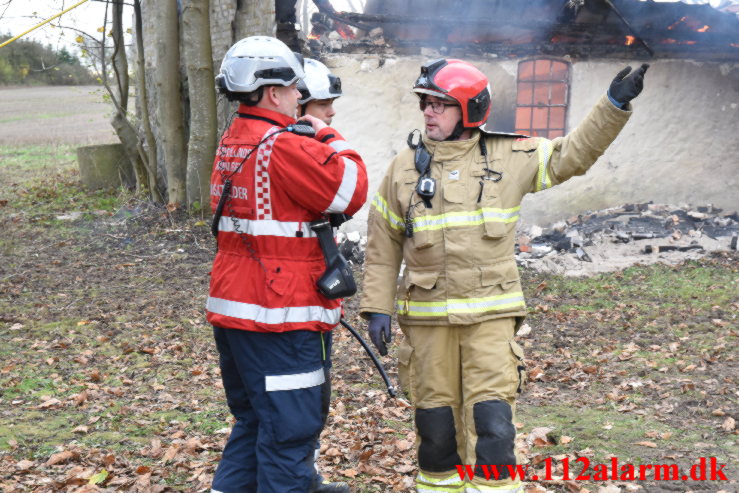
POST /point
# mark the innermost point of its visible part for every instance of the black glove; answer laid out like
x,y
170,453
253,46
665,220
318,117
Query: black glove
x,y
626,86
379,331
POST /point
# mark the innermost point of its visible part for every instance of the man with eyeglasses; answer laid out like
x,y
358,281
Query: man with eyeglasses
x,y
271,179
448,207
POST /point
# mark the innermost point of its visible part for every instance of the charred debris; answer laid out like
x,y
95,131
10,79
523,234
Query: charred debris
x,y
612,239
629,29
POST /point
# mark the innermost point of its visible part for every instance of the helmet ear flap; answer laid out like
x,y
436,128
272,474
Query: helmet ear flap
x,y
220,84
477,107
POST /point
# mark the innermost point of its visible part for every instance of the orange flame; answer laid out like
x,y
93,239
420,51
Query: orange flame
x,y
678,22
314,36
704,29
630,40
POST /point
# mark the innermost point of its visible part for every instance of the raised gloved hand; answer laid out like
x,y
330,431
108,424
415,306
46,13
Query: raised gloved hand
x,y
626,86
379,331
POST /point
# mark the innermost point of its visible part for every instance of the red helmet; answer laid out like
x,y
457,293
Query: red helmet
x,y
460,81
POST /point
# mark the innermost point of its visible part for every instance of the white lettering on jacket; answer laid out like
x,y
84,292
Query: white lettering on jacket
x,y
236,192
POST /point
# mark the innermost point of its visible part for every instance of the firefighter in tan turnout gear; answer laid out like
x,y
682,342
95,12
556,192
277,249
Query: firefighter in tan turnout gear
x,y
448,207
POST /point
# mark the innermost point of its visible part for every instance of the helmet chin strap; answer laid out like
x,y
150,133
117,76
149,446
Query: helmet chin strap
x,y
457,132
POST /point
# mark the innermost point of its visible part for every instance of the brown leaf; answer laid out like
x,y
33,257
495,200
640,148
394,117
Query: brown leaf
x,y
718,412
564,439
333,452
49,403
171,453
403,445
536,373
729,424
647,444
143,470
61,457
80,429
24,465
349,473
80,398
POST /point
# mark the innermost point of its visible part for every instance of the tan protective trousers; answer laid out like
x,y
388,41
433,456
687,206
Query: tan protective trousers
x,y
463,381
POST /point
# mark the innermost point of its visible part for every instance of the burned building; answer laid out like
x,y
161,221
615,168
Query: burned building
x,y
548,62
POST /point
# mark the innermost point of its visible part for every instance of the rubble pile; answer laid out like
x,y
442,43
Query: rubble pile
x,y
611,239
616,238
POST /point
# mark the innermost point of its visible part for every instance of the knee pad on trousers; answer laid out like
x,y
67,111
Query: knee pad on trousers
x,y
438,449
496,434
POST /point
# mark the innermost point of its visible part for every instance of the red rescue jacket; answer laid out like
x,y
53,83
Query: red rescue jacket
x,y
287,182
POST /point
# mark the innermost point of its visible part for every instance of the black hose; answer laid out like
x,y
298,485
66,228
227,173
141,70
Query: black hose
x,y
390,389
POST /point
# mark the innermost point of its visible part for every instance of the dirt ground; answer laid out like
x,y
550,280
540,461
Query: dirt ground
x,y
109,378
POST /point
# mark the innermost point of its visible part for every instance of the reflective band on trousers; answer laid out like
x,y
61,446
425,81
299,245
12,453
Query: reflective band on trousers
x,y
346,190
264,315
273,383
452,480
393,219
510,488
424,488
266,227
473,218
341,146
543,181
469,305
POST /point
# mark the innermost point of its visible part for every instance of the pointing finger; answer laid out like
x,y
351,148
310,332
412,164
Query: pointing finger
x,y
623,73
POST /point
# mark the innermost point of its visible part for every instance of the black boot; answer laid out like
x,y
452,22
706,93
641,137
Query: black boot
x,y
326,487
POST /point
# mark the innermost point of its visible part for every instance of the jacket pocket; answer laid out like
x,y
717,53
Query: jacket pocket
x,y
295,405
504,274
493,215
423,227
422,279
419,286
518,360
405,369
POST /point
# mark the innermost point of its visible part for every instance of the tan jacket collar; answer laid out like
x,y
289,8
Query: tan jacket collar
x,y
452,149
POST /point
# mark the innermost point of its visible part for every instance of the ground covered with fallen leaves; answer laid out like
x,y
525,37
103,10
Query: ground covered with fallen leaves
x,y
109,378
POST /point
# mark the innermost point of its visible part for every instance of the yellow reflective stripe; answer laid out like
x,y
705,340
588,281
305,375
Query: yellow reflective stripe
x,y
454,479
393,219
466,218
510,488
545,149
461,305
422,488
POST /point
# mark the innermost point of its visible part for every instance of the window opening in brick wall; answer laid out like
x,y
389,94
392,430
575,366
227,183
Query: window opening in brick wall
x,y
541,101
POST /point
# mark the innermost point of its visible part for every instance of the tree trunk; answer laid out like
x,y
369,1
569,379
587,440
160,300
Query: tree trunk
x,y
255,18
120,60
167,81
148,154
119,94
203,123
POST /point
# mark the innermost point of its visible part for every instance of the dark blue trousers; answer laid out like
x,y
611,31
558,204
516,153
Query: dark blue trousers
x,y
277,386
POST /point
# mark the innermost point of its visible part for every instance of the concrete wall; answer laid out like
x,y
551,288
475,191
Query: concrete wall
x,y
680,146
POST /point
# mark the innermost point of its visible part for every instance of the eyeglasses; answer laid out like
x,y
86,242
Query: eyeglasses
x,y
436,106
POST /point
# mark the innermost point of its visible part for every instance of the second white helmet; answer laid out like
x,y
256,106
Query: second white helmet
x,y
318,83
259,61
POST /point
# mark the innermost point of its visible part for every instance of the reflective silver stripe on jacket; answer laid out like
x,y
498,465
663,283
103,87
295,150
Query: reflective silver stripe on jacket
x,y
341,146
266,227
264,315
296,381
346,190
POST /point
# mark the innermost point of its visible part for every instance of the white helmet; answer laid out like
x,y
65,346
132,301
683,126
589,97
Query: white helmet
x,y
259,61
318,83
